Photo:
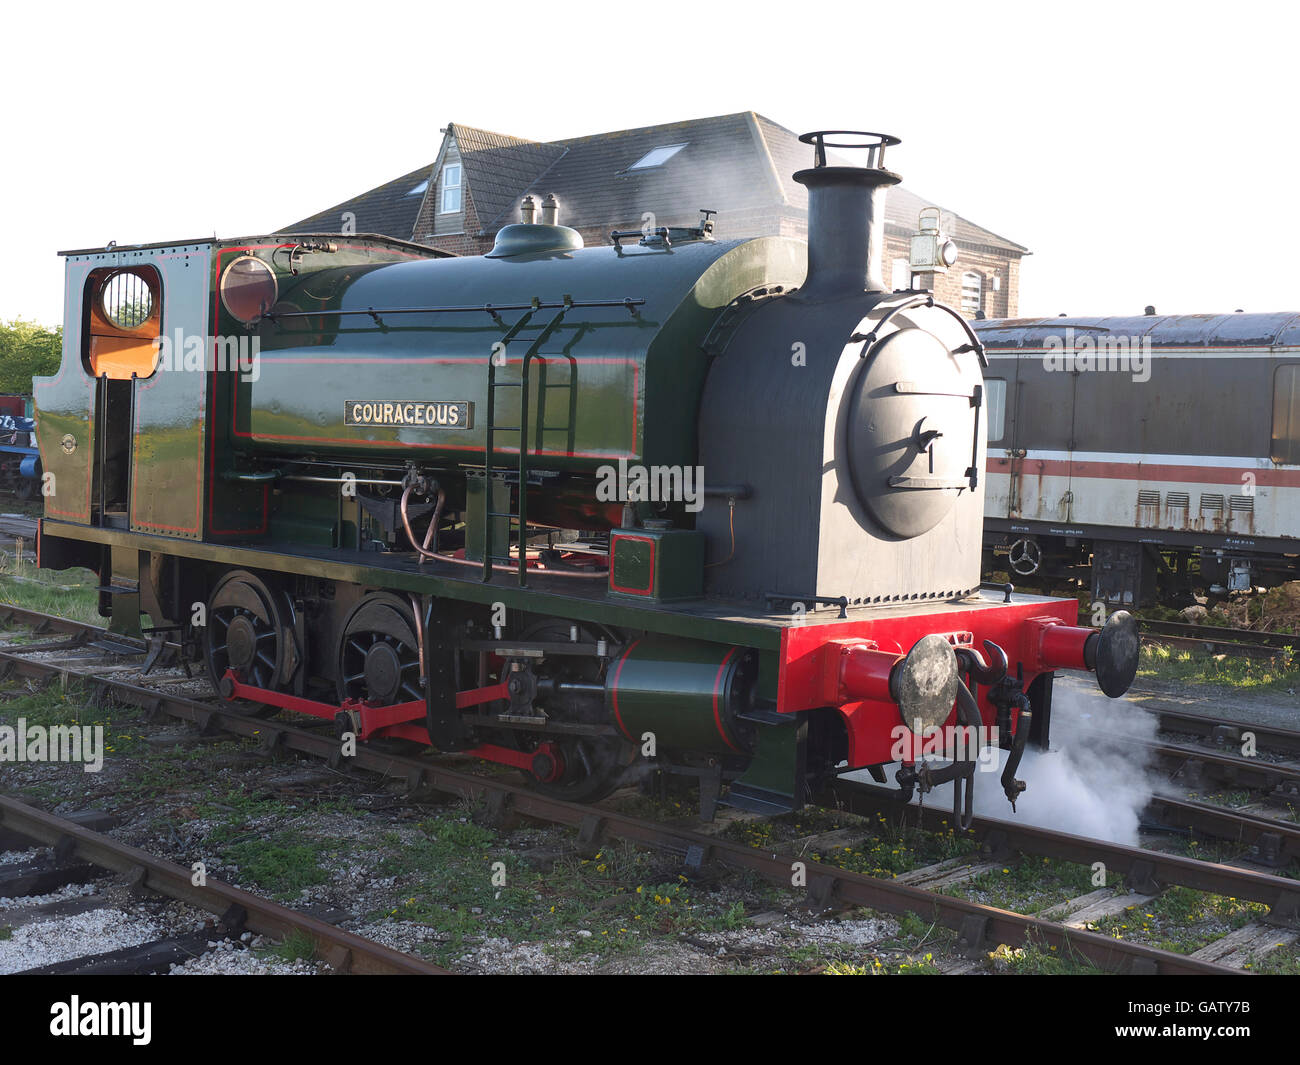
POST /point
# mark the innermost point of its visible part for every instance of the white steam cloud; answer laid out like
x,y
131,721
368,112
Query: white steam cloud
x,y
1090,783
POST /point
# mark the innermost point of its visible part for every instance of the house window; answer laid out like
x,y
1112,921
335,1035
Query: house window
x,y
996,397
1286,416
901,275
451,188
972,294
657,156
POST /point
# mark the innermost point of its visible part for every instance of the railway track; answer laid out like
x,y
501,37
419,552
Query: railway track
x,y
79,852
1246,643
979,927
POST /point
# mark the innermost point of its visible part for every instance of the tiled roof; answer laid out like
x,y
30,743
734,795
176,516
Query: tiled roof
x,y
498,167
730,163
389,209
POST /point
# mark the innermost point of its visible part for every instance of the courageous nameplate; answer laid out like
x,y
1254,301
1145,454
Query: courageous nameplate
x,y
431,414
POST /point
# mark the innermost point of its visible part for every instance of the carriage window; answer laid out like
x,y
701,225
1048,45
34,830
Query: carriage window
x,y
997,403
1286,416
123,317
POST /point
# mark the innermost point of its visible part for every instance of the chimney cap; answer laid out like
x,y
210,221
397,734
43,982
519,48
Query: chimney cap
x,y
873,143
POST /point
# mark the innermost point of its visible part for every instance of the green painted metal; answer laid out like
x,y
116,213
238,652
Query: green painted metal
x,y
486,538
685,693
574,600
636,378
776,773
534,239
658,564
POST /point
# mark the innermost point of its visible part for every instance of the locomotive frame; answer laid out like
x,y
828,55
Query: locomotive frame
x,y
812,618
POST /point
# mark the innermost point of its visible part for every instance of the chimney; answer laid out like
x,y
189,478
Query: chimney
x,y
846,216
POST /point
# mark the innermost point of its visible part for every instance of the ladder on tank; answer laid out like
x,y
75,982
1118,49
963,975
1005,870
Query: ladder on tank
x,y
518,519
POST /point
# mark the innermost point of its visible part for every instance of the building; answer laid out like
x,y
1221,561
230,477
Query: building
x,y
738,165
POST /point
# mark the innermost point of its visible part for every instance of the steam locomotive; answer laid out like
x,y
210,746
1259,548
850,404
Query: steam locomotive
x,y
710,508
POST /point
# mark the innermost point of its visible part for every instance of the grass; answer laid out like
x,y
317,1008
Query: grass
x,y
887,847
468,883
1042,960
282,862
68,703
1027,885
6,933
296,946
69,593
1230,671
1181,920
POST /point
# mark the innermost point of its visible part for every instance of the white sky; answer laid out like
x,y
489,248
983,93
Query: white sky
x,y
1145,152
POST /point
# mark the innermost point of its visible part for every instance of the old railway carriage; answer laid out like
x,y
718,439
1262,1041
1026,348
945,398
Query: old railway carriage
x,y
1151,455
707,506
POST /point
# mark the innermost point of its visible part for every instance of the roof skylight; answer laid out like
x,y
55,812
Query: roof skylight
x,y
657,156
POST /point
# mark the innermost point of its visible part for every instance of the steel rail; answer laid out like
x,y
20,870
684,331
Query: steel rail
x,y
238,909
979,926
1220,635
1146,870
1272,842
1174,720
1254,774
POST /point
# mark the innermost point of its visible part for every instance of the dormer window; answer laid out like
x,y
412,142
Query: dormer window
x,y
657,156
451,188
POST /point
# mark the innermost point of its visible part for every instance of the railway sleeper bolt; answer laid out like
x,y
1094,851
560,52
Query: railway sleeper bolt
x,y
1285,910
1223,735
64,849
137,881
1141,878
500,813
1268,848
972,934
589,834
996,846
235,919
270,739
821,889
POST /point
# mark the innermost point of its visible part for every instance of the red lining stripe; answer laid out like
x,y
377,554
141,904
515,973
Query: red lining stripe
x,y
717,691
613,691
649,588
1142,471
